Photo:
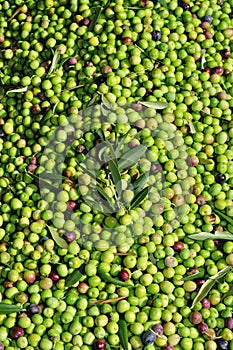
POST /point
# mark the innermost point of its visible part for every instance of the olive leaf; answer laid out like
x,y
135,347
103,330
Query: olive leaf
x,y
131,157
73,278
203,60
140,182
40,179
105,102
153,259
202,236
224,216
104,195
93,100
139,197
121,143
208,285
57,238
95,18
123,334
155,105
229,293
163,3
116,176
22,89
191,126
53,176
107,278
205,161
54,63
194,276
8,309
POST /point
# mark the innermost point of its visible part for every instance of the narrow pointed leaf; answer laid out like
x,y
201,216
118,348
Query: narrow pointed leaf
x,y
203,59
116,176
224,216
105,112
107,278
121,143
40,180
95,18
208,285
8,309
100,133
53,176
205,161
191,126
123,334
93,100
23,89
57,238
202,236
163,3
104,195
140,182
139,197
106,103
131,157
153,259
205,288
73,278
54,62
155,105
194,276
230,292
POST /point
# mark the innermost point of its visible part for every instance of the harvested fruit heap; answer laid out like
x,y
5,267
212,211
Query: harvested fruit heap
x,y
116,151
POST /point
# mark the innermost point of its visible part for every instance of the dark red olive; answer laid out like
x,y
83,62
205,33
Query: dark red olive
x,y
124,275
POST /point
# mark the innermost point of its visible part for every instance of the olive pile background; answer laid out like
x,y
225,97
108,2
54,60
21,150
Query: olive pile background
x,y
55,57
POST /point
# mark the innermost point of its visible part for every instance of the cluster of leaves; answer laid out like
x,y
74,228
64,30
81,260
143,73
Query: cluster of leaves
x,y
210,282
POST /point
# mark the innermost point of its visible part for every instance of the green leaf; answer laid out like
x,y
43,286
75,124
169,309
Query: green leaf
x,y
108,346
23,89
163,3
224,216
40,179
205,288
194,276
121,143
116,176
95,18
93,100
131,157
105,102
53,176
54,62
123,334
155,105
205,161
153,259
73,278
191,126
208,285
107,278
203,59
8,309
104,195
140,182
202,236
229,293
57,238
139,197
104,111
